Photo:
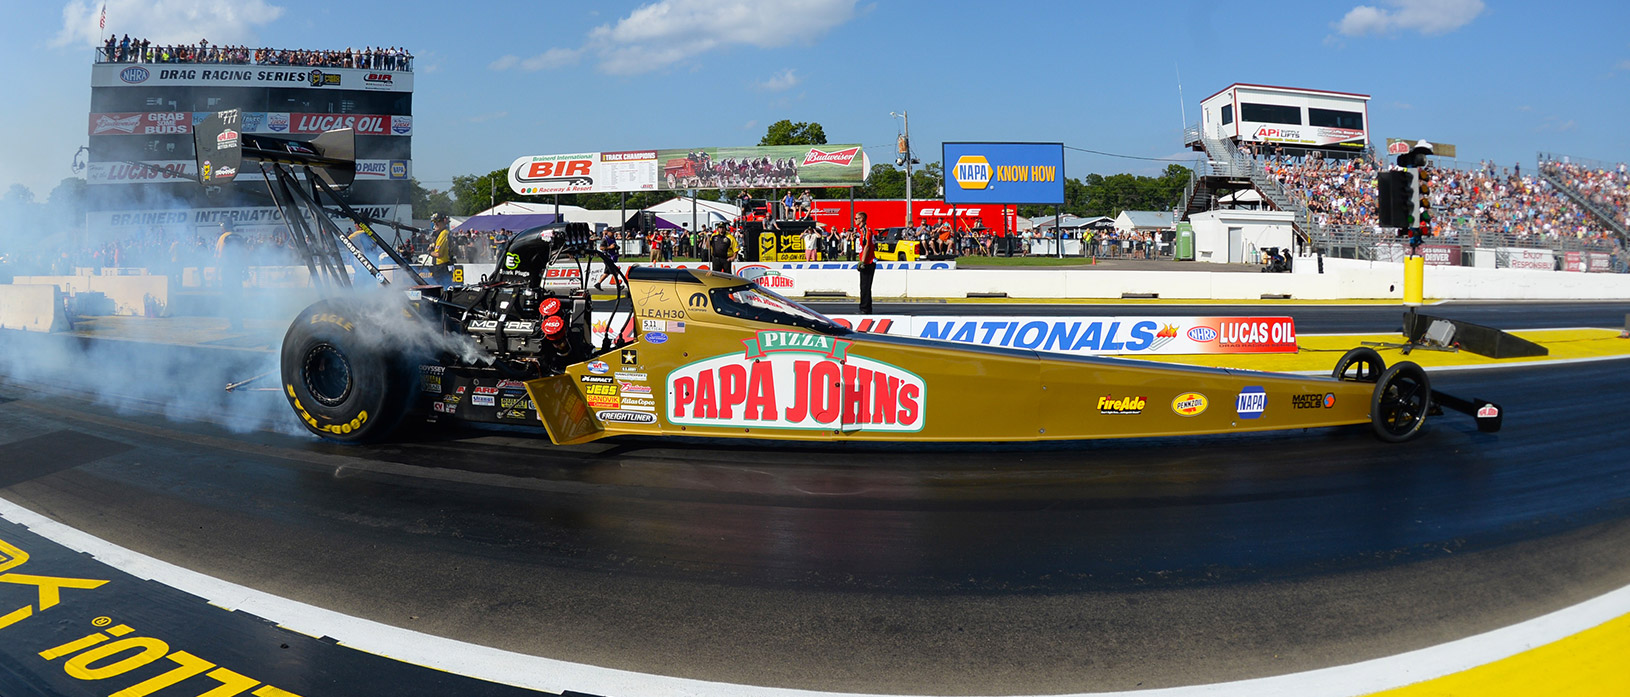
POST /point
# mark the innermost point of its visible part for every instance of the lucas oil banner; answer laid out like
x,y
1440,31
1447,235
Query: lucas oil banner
x,y
1095,336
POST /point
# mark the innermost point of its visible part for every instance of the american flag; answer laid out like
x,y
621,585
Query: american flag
x,y
104,23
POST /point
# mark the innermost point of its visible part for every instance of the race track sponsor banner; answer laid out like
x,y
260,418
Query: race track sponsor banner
x,y
230,75
997,173
796,380
171,171
700,168
1573,261
1441,254
1599,262
1095,336
587,172
181,122
1524,258
762,166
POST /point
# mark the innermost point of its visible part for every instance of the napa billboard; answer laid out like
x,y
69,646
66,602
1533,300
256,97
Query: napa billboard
x,y
1004,172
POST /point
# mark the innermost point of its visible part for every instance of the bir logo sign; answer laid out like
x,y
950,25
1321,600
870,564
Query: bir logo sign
x,y
972,172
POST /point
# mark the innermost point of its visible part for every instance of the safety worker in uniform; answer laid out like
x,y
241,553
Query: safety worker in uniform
x,y
867,264
721,248
232,263
610,251
441,251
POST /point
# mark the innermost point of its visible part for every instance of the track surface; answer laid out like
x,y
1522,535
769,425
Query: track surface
x,y
1088,567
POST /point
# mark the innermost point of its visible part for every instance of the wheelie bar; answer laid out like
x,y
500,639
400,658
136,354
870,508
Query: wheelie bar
x,y
1489,415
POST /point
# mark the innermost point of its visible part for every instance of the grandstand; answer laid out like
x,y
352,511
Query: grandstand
x,y
1566,205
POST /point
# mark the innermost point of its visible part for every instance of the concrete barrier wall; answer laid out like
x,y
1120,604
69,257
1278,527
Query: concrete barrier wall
x,y
34,308
1342,279
125,295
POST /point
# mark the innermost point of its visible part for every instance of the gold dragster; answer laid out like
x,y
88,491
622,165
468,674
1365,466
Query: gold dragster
x,y
716,356
700,354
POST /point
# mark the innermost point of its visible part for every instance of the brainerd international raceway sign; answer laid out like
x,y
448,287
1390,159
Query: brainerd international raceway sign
x,y
700,168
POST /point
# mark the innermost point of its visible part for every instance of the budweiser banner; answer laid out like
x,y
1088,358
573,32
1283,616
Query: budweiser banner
x,y
779,166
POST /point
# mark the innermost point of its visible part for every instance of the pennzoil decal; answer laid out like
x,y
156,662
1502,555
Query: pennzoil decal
x,y
1190,404
787,379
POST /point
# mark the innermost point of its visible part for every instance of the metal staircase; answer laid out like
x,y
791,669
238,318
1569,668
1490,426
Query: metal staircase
x,y
1604,216
1224,160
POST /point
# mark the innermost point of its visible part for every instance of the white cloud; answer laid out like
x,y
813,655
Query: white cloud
x,y
166,21
778,82
1429,17
552,58
750,125
1622,65
660,34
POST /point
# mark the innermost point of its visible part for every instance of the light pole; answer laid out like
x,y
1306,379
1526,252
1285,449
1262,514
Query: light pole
x,y
905,157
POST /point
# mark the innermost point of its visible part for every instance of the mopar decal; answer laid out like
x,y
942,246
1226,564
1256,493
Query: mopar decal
x,y
800,380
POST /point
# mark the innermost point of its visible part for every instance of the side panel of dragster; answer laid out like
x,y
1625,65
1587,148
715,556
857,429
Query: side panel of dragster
x,y
695,372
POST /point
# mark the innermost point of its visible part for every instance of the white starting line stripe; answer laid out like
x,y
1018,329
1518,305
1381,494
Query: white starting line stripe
x,y
537,673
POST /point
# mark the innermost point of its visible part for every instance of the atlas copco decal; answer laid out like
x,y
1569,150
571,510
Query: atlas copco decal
x,y
841,158
135,74
796,380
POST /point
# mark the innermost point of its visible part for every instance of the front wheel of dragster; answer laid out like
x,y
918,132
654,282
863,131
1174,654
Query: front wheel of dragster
x,y
1402,399
341,375
1361,364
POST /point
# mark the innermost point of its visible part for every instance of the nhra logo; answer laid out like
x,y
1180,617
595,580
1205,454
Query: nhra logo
x,y
318,78
1202,334
842,158
1251,402
135,74
972,172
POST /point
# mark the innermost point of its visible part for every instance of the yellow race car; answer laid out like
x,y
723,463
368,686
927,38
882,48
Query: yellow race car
x,y
701,354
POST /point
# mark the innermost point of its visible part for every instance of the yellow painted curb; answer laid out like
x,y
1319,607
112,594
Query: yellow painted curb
x,y
1591,663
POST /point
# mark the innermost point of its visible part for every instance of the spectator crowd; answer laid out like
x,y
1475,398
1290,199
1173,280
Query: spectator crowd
x,y
1483,199
1606,187
127,50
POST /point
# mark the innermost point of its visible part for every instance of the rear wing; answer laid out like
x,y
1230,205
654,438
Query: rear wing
x,y
221,147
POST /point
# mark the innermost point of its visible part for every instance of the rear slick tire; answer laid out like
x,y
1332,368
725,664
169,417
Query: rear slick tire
x,y
1361,364
1400,403
341,376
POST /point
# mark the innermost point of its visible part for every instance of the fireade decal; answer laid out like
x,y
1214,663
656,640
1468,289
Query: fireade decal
x,y
801,380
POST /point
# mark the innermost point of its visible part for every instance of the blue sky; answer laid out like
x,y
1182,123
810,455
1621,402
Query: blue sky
x,y
498,80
